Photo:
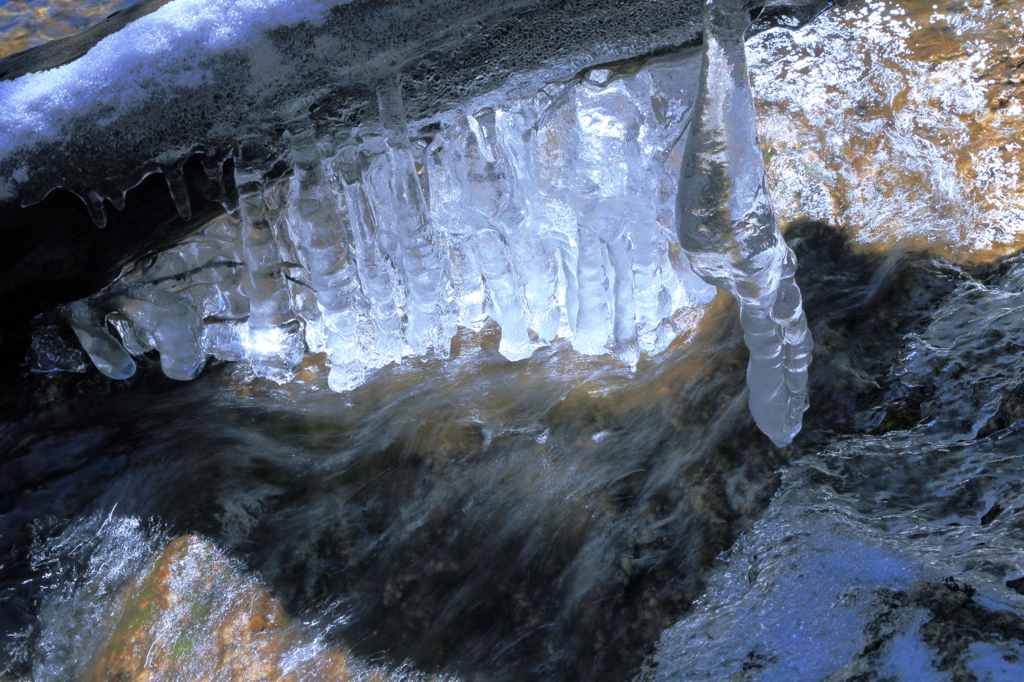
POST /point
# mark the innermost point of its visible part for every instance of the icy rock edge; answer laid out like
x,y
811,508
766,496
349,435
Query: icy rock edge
x,y
550,214
727,227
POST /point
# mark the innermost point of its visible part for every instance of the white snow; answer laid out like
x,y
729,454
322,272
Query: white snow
x,y
168,45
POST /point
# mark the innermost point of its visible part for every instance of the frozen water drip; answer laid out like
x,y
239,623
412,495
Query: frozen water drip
x,y
727,227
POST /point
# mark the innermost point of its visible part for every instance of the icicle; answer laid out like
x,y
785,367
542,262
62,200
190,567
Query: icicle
x,y
447,214
272,340
624,335
592,286
175,327
727,227
213,167
117,199
651,297
136,340
485,184
600,185
569,262
391,110
506,296
376,273
109,356
269,303
405,207
537,235
553,218
175,177
324,241
94,204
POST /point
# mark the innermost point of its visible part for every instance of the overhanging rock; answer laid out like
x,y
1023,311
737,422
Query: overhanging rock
x,y
176,91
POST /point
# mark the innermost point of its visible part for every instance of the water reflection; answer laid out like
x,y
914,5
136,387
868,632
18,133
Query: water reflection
x,y
27,23
900,121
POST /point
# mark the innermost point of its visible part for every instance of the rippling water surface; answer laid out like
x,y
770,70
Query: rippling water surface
x,y
549,518
513,520
27,23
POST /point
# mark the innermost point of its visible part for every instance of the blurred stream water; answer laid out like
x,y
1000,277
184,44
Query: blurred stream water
x,y
521,520
548,519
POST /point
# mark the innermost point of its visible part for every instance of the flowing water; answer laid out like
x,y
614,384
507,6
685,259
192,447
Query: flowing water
x,y
27,23
472,515
515,520
907,500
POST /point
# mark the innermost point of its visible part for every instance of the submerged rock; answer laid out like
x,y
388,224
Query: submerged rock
x,y
967,640
193,614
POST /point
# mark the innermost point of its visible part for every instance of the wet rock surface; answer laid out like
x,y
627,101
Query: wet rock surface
x,y
546,519
860,307
892,547
195,615
953,622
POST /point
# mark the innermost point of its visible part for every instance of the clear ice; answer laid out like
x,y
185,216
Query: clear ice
x,y
551,215
727,227
547,207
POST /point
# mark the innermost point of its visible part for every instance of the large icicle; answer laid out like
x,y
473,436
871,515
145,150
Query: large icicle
x,y
324,240
537,239
727,226
485,189
376,272
405,209
272,336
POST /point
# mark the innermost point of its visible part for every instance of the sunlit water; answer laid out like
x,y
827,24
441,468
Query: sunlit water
x,y
901,122
921,484
27,23
549,518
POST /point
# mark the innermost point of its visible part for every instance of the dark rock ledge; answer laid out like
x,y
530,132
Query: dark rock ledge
x,y
447,52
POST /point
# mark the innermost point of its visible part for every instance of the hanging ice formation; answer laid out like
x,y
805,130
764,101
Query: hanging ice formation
x,y
727,226
551,215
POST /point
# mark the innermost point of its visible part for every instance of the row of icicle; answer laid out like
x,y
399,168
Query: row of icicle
x,y
548,218
553,219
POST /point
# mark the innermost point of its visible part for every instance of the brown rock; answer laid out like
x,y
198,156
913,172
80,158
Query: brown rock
x,y
196,616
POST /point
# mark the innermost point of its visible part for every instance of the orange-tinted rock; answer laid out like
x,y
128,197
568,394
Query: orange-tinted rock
x,y
196,616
